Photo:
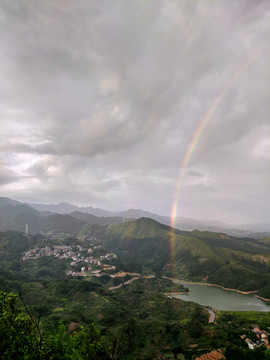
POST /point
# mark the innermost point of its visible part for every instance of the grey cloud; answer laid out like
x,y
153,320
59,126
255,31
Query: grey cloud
x,y
195,173
107,92
39,170
7,176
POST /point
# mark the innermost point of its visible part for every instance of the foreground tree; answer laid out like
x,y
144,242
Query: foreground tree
x,y
16,330
20,338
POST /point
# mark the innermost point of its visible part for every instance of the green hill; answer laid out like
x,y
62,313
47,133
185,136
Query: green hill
x,y
221,259
92,219
136,320
145,244
16,216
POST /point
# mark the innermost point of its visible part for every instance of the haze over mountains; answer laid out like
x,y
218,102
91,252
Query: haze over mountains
x,y
180,222
66,217
147,244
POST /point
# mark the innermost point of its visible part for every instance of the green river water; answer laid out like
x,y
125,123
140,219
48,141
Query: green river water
x,y
221,299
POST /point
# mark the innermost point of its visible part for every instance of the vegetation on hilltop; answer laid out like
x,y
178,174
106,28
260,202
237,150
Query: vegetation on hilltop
x,y
16,216
22,337
135,321
145,245
224,260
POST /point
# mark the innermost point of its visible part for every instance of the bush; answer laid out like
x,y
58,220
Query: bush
x,y
21,337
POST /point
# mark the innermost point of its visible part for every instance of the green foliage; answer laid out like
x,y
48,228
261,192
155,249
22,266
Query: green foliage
x,y
225,260
16,329
250,245
144,245
71,287
137,321
236,353
82,345
21,339
12,246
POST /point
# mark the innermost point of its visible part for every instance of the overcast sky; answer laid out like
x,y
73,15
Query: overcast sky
x,y
100,100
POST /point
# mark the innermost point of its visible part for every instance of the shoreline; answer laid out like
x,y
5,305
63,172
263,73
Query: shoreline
x,y
262,298
177,293
219,286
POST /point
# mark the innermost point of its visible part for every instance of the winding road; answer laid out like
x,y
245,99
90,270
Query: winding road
x,y
212,315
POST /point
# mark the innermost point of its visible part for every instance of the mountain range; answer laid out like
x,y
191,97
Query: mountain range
x,y
65,217
183,223
147,246
152,250
239,263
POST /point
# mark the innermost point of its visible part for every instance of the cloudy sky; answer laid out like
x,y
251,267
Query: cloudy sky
x,y
100,102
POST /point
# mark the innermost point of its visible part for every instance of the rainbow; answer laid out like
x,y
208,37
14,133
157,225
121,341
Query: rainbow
x,y
194,141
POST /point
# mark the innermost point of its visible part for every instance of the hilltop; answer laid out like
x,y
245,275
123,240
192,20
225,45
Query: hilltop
x,y
222,259
241,263
93,215
113,276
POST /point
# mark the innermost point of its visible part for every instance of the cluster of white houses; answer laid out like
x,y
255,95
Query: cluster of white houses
x,y
78,255
88,264
262,336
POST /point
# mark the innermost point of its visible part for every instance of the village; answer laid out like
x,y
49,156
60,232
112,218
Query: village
x,y
89,257
85,261
262,338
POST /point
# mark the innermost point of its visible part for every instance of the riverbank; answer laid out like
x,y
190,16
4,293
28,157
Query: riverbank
x,y
177,293
218,286
262,298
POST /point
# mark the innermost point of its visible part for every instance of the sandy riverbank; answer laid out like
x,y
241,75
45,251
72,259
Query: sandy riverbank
x,y
177,293
262,298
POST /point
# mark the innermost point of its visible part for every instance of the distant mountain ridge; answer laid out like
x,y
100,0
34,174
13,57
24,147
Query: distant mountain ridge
x,y
66,208
91,215
15,216
241,263
100,220
182,223
6,201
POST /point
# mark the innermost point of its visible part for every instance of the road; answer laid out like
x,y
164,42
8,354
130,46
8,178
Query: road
x,y
212,315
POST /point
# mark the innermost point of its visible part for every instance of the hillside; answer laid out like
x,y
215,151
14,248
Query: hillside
x,y
30,268
241,263
15,216
93,215
101,220
66,208
6,201
232,262
134,317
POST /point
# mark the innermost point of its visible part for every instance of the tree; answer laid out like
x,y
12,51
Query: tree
x,y
16,329
21,338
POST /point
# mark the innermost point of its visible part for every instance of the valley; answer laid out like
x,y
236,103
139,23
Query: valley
x,y
120,277
222,299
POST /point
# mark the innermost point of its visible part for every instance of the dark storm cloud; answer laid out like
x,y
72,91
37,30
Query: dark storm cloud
x,y
7,176
194,173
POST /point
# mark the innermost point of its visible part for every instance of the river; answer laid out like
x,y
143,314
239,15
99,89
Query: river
x,y
221,299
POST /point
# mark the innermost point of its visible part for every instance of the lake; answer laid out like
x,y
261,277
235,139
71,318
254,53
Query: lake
x,y
221,299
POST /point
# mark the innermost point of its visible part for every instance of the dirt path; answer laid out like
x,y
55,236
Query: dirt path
x,y
212,315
